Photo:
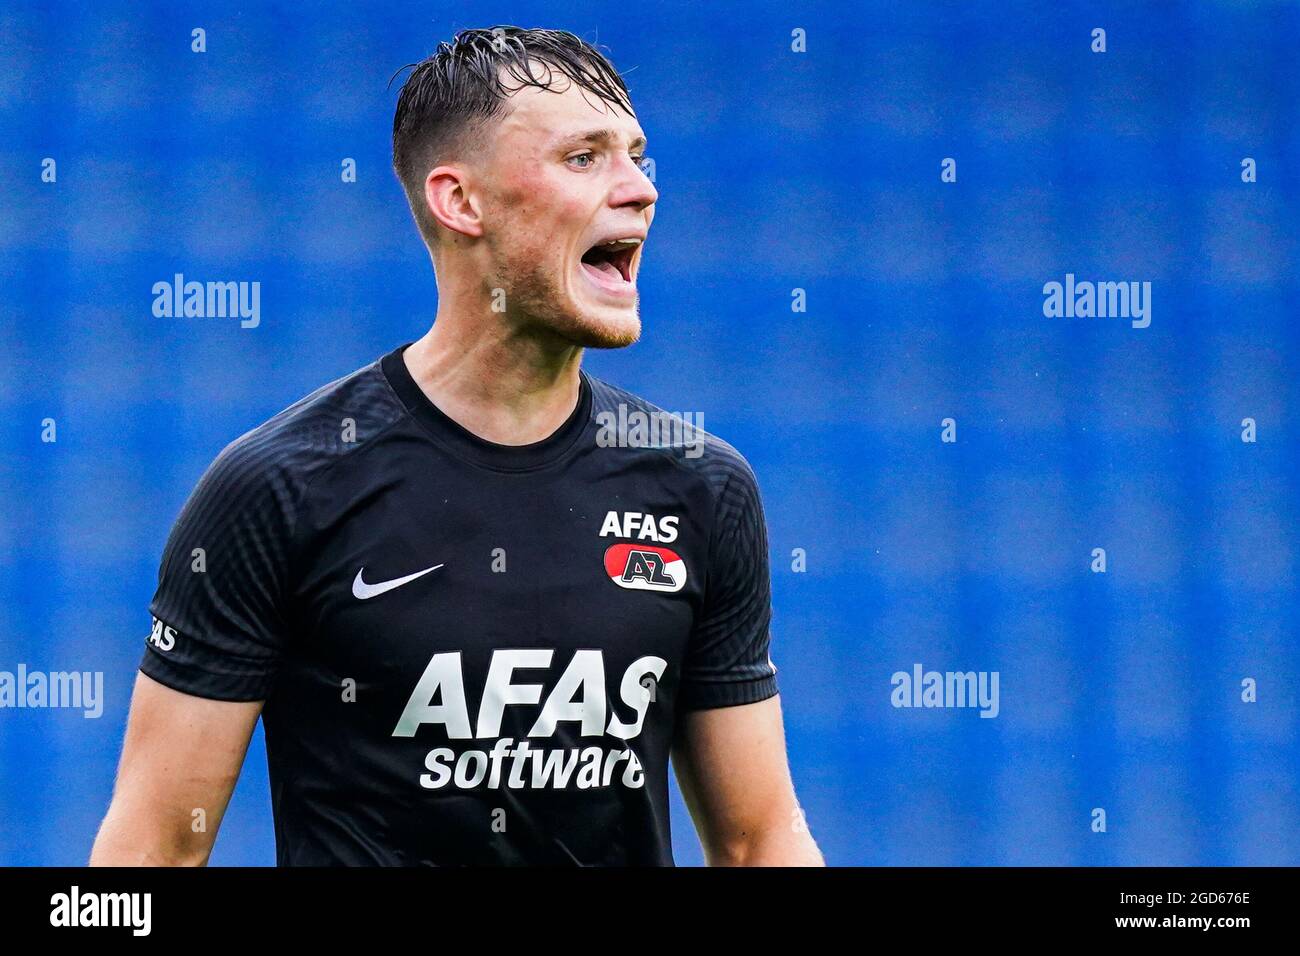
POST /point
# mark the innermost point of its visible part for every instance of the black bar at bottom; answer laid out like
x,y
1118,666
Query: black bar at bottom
x,y
211,906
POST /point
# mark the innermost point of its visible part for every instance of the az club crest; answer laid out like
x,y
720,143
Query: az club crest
x,y
642,567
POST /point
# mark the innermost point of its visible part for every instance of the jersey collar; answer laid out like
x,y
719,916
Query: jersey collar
x,y
471,447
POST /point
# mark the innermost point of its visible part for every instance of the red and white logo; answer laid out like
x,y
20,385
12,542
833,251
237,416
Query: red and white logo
x,y
642,567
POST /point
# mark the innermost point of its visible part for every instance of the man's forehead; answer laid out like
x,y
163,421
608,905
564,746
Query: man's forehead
x,y
566,110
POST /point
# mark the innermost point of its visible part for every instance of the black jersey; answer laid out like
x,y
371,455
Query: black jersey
x,y
470,653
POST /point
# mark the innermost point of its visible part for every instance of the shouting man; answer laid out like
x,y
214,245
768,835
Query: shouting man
x,y
476,613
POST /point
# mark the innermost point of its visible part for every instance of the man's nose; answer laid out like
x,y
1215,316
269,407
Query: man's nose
x,y
634,187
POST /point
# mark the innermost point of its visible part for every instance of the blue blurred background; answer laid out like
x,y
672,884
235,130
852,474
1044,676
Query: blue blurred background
x,y
777,171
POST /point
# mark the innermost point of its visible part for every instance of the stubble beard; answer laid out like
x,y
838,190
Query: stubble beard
x,y
537,297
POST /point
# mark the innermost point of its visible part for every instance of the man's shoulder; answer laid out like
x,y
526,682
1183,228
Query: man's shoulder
x,y
293,446
626,420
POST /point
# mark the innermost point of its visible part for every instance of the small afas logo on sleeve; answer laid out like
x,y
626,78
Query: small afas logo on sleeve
x,y
162,636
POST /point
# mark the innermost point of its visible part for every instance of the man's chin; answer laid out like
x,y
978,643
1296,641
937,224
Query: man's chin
x,y
606,328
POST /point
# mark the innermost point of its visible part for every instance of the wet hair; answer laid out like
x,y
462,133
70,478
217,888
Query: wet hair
x,y
454,94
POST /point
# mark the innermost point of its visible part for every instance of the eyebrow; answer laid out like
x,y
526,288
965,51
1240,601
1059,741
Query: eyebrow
x,y
598,137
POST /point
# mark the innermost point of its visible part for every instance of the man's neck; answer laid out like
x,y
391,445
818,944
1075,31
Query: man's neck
x,y
503,385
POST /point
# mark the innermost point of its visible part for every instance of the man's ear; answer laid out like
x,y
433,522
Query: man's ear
x,y
450,202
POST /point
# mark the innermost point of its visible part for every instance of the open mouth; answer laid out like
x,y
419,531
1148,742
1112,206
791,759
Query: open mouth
x,y
609,264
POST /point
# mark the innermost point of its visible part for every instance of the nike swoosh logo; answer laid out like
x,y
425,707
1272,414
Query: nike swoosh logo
x,y
363,591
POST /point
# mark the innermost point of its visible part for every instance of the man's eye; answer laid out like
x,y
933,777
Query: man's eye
x,y
583,156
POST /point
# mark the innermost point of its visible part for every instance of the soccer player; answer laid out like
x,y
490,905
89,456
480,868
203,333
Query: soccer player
x,y
475,609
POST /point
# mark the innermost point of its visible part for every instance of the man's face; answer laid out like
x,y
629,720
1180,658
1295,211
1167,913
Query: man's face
x,y
565,209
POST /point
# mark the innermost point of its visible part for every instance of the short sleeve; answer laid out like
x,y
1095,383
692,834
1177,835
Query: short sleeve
x,y
728,661
220,625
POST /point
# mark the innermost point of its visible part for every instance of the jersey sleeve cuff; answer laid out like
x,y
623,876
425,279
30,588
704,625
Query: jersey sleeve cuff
x,y
189,679
704,695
